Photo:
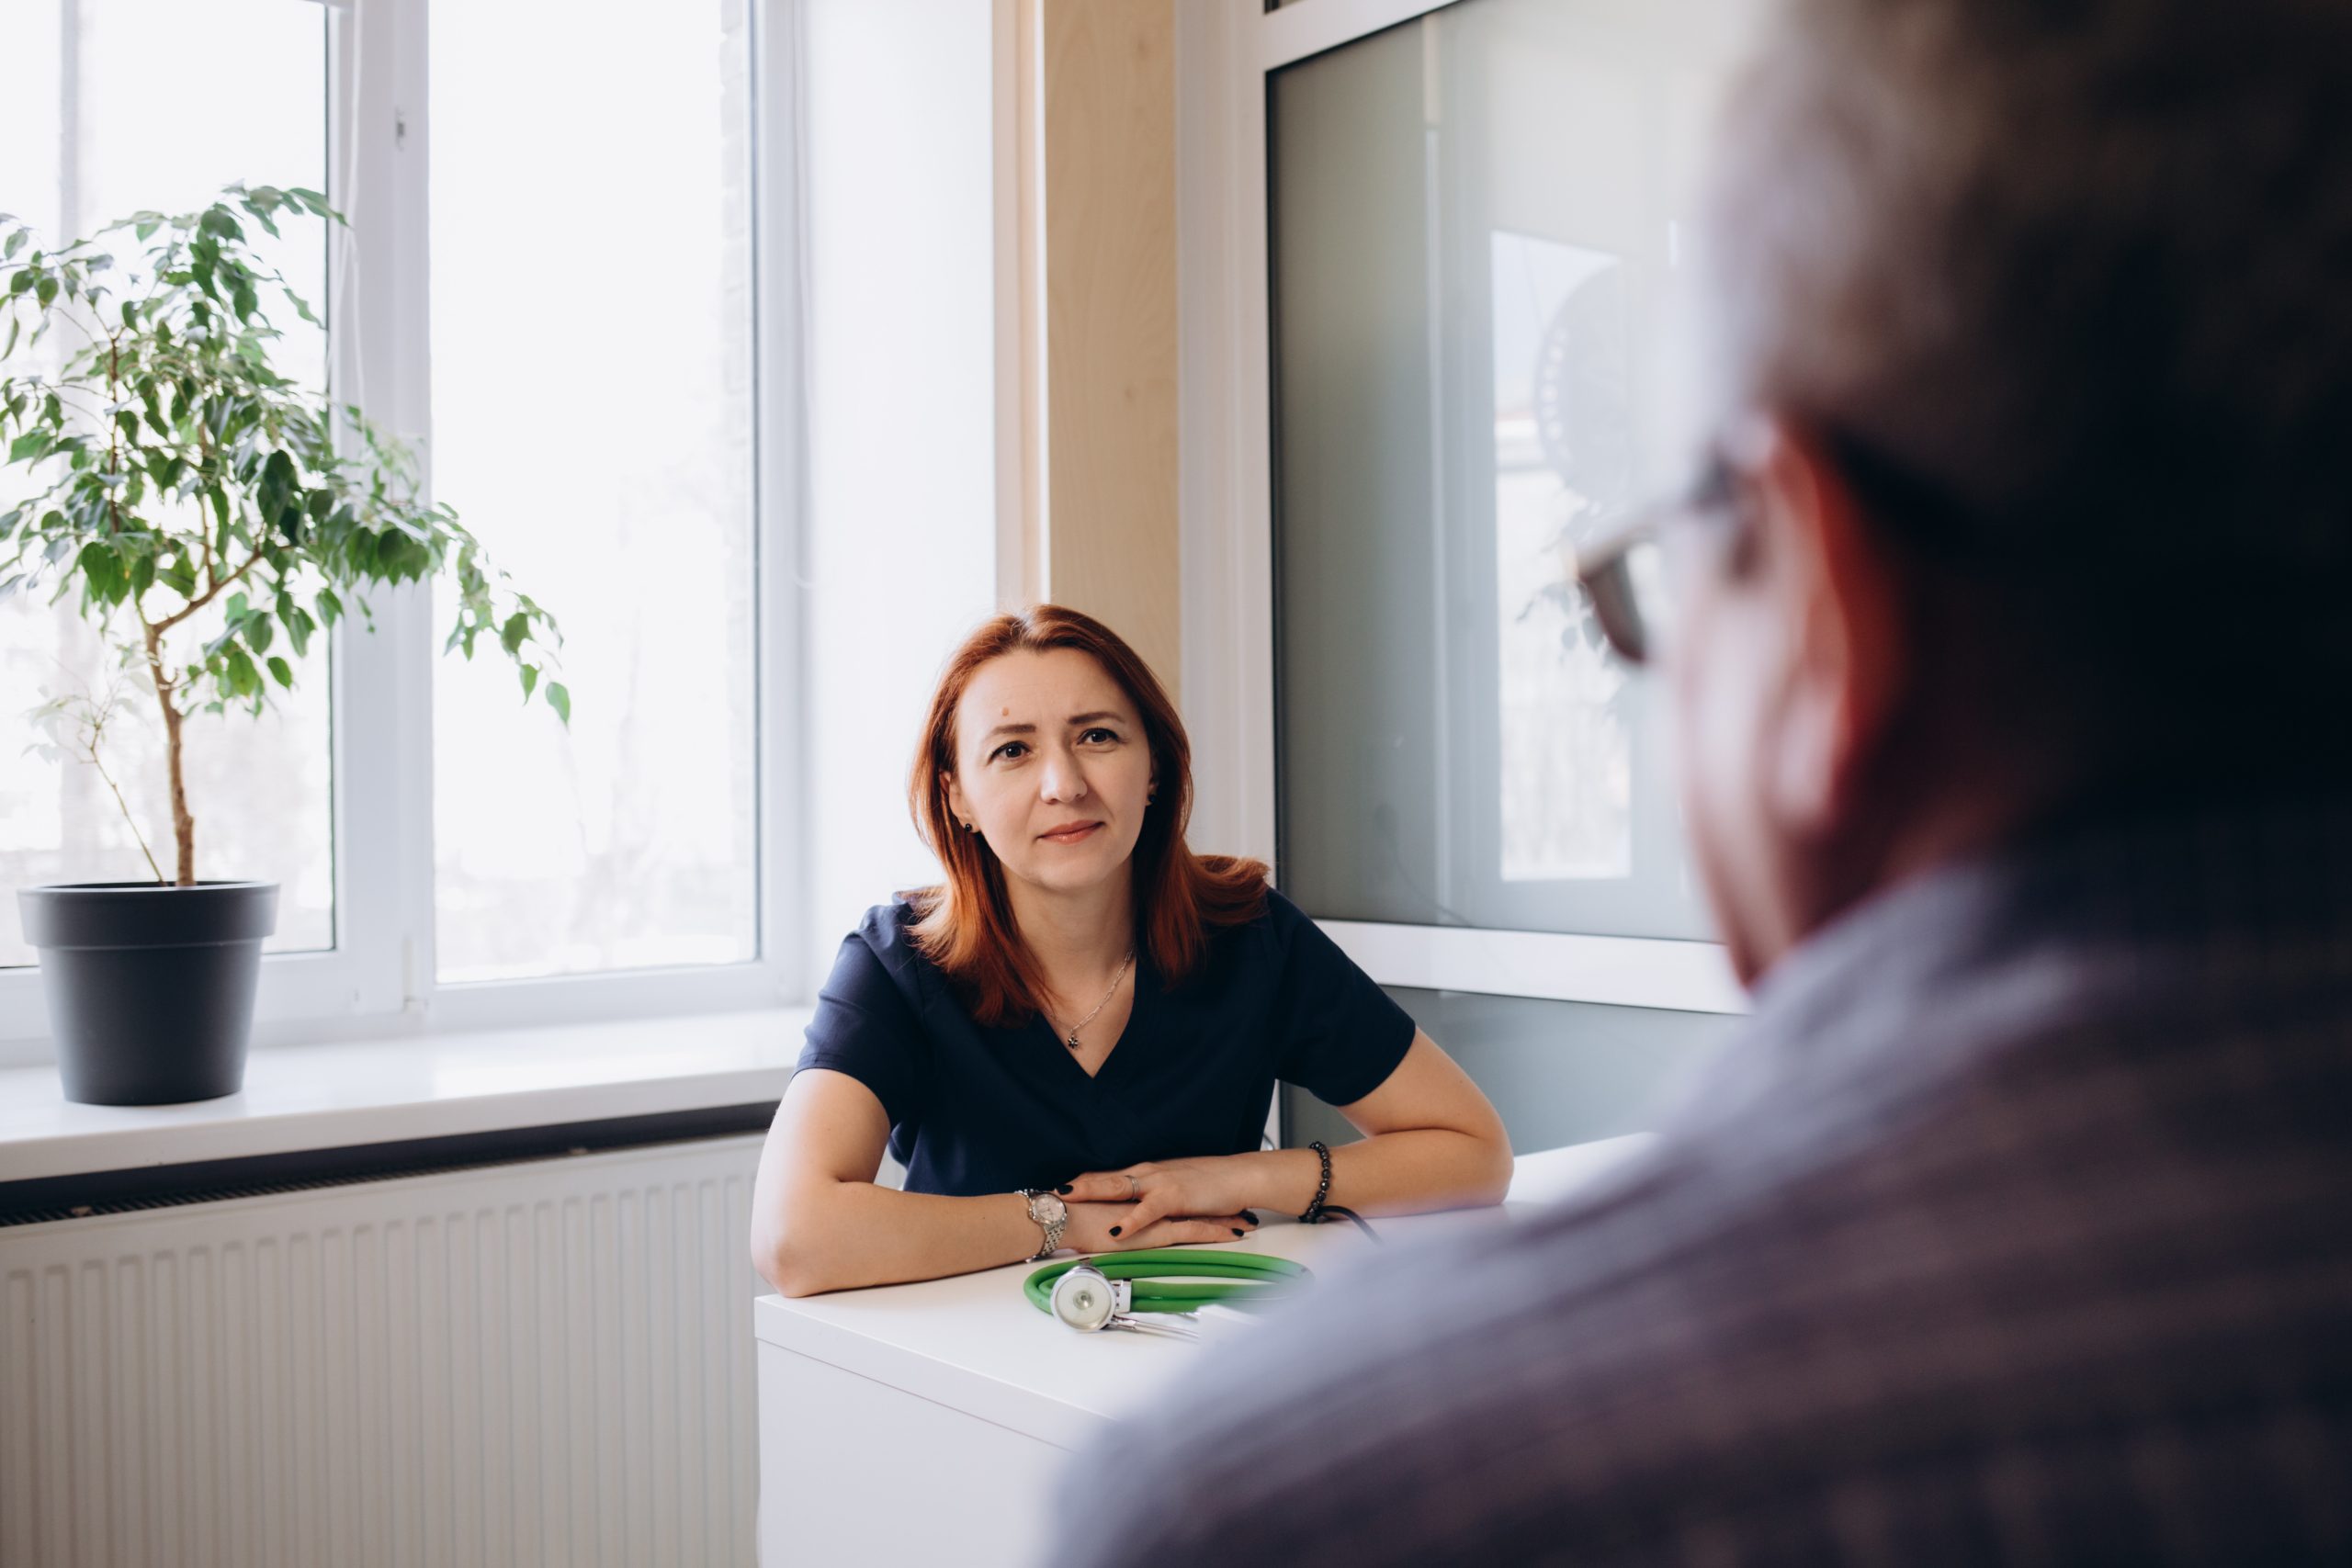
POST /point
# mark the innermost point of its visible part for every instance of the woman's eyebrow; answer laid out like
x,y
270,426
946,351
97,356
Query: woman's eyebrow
x,y
1094,717
1009,729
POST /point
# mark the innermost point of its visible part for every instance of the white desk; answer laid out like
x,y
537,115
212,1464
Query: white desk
x,y
926,1422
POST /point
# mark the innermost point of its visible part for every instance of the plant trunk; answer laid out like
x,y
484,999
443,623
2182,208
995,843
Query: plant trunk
x,y
182,824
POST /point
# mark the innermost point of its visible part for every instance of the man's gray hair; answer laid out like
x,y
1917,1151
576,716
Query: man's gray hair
x,y
2077,273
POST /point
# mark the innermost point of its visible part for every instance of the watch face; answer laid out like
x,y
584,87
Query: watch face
x,y
1051,1209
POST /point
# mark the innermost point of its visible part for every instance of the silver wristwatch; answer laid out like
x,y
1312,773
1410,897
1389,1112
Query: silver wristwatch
x,y
1051,1213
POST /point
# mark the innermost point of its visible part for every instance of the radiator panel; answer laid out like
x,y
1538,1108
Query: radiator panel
x,y
540,1363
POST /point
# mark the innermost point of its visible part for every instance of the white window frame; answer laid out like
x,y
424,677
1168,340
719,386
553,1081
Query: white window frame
x,y
1225,49
380,976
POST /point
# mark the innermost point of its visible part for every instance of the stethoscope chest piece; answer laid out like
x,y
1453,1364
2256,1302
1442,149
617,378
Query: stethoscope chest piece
x,y
1086,1298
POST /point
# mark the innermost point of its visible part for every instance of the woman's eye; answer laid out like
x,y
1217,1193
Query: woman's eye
x,y
1099,734
1009,747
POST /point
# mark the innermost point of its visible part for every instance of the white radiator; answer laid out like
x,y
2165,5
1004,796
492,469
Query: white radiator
x,y
549,1362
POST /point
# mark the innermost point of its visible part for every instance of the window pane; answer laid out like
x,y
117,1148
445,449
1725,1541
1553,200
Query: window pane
x,y
1477,218
1558,1072
159,104
592,418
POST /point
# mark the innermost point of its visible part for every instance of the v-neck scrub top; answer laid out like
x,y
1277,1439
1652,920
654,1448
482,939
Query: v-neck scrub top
x,y
976,1110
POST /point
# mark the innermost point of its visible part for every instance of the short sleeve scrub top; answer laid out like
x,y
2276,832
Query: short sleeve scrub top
x,y
976,1110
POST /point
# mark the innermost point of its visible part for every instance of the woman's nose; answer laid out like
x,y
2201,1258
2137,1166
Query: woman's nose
x,y
1063,780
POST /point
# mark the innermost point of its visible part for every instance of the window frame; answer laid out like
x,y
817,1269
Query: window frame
x,y
1227,50
380,978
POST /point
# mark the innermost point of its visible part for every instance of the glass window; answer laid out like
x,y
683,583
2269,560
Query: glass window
x,y
108,106
1477,218
592,425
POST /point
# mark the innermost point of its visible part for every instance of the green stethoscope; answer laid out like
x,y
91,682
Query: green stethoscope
x,y
1113,1291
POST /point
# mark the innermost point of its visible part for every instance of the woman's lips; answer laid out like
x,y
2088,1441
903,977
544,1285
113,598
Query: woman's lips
x,y
1072,834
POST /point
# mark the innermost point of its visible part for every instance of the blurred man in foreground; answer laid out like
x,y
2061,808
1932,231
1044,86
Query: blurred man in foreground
x,y
2007,627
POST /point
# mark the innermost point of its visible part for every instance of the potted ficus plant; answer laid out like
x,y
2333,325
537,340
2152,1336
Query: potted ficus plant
x,y
215,517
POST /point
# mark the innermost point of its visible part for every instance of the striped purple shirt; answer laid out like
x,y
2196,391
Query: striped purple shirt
x,y
2015,1226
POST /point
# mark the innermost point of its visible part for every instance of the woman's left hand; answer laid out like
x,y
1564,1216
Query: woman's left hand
x,y
1208,1186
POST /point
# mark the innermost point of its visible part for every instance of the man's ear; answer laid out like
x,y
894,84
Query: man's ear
x,y
1842,591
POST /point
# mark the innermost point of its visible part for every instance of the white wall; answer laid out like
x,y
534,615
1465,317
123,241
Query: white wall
x,y
900,528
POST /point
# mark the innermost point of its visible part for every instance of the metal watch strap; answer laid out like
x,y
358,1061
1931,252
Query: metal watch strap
x,y
1052,1231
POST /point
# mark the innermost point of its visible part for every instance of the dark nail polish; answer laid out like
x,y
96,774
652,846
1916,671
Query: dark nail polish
x,y
1114,1230
1238,1231
1249,1214
1063,1189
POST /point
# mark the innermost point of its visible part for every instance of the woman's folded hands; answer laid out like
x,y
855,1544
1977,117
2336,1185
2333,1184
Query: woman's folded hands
x,y
1158,1203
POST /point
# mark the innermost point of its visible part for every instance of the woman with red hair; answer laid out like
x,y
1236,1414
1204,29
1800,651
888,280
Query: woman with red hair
x,y
1072,1040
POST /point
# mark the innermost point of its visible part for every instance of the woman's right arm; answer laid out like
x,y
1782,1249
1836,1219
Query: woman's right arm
x,y
819,1223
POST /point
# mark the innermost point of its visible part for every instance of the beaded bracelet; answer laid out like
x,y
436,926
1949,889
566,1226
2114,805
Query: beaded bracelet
x,y
1313,1215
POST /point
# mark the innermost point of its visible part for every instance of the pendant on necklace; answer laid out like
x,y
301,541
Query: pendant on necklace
x,y
1072,1040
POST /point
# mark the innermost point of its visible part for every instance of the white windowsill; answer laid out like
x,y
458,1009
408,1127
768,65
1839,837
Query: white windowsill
x,y
322,1096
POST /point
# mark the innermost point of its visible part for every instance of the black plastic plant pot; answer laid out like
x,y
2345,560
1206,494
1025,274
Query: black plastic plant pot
x,y
150,986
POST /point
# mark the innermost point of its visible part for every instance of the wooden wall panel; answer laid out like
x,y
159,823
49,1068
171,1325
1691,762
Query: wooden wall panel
x,y
1098,301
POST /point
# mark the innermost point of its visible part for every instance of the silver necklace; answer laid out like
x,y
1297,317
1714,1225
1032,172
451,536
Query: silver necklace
x,y
1090,1018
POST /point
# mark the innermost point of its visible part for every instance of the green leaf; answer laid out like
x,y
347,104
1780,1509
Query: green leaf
x,y
259,630
15,326
29,446
45,291
330,607
281,671
15,242
560,700
530,679
102,570
511,635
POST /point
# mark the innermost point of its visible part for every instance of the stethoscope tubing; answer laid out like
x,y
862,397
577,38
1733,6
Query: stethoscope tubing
x,y
1177,1278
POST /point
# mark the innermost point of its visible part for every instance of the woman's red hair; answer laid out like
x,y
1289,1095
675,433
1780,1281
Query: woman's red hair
x,y
965,924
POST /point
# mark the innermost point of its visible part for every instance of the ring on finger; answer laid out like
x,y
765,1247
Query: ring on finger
x,y
1135,1190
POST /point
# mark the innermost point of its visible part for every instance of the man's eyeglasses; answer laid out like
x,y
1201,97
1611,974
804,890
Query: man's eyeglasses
x,y
1623,574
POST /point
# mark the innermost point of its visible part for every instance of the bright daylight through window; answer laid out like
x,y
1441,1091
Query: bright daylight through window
x,y
106,108
592,414
589,376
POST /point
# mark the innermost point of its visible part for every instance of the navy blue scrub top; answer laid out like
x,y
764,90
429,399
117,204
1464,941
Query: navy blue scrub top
x,y
975,1110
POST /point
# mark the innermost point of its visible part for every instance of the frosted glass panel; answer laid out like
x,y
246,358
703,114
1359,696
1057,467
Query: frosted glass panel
x,y
1479,220
1558,1072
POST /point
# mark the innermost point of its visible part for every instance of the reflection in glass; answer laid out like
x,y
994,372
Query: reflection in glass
x,y
1477,222
1563,473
